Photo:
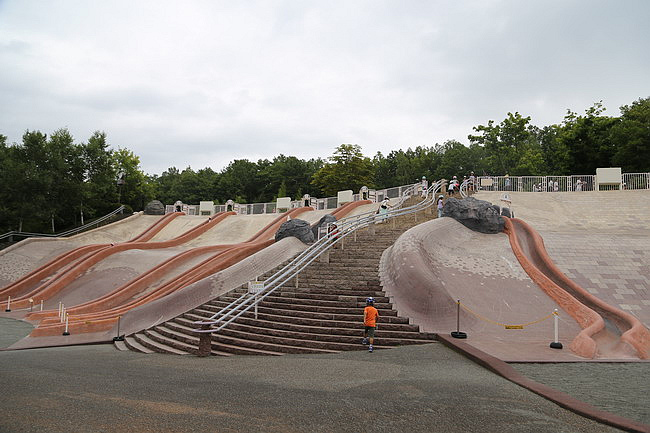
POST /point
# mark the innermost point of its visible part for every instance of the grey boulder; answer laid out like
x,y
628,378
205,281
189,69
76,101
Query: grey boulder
x,y
477,215
327,219
154,207
297,228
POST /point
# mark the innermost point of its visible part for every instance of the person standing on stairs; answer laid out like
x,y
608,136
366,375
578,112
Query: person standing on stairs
x,y
370,317
383,210
440,205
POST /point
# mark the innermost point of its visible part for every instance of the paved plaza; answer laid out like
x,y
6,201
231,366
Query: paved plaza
x,y
427,388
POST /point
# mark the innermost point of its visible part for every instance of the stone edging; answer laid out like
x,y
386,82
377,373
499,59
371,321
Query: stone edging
x,y
561,399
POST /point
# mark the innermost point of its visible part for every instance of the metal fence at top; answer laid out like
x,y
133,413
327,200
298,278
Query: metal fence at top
x,y
268,208
629,181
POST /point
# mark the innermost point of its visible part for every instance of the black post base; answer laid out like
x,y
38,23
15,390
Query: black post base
x,y
458,334
556,345
119,338
8,310
66,333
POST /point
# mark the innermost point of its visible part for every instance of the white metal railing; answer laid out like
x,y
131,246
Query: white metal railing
x,y
344,227
317,203
65,233
630,181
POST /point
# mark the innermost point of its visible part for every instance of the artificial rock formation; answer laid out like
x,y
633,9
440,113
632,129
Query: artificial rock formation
x,y
329,218
477,215
297,228
154,207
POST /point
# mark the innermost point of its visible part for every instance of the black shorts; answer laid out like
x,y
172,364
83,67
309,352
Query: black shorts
x,y
370,331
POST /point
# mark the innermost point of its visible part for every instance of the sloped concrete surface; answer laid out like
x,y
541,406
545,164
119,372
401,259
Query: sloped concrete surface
x,y
599,239
434,264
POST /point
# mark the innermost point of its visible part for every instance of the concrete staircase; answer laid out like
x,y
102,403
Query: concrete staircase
x,y
320,313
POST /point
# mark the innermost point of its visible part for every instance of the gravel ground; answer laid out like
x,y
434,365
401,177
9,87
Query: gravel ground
x,y
620,388
426,388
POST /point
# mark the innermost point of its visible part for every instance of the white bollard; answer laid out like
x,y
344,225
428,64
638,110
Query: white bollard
x,y
62,312
66,325
31,305
60,304
8,309
41,305
556,344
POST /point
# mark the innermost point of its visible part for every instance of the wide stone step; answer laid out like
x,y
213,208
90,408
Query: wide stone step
x,y
201,315
185,332
348,317
336,271
332,337
135,345
172,346
156,346
298,294
305,310
278,347
184,336
340,280
343,302
295,341
350,286
349,332
338,291
314,292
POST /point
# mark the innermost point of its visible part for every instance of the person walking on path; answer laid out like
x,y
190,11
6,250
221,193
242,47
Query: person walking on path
x,y
370,317
440,205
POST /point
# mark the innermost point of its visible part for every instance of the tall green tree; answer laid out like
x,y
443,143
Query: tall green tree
x,y
100,189
630,137
511,146
586,139
135,191
347,169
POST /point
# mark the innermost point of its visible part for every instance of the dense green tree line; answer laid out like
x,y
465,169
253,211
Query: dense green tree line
x,y
49,182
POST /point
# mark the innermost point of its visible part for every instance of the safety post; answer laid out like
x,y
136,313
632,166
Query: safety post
x,y
41,305
62,312
66,325
31,304
256,299
458,333
60,305
8,309
556,344
118,337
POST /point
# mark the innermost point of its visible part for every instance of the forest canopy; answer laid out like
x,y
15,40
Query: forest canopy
x,y
49,182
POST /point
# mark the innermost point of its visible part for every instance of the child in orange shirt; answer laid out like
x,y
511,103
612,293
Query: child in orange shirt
x,y
370,317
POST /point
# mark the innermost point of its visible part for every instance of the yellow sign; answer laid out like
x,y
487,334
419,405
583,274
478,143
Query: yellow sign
x,y
514,327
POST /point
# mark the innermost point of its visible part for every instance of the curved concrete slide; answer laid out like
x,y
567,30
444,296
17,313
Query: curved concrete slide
x,y
608,332
102,314
23,288
434,264
55,285
104,318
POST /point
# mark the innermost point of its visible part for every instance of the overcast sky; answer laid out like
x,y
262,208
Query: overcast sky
x,y
201,83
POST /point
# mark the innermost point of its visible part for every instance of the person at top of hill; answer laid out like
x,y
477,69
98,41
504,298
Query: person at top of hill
x,y
440,205
370,318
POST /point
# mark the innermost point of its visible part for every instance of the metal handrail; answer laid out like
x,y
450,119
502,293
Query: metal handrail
x,y
65,233
463,188
345,227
